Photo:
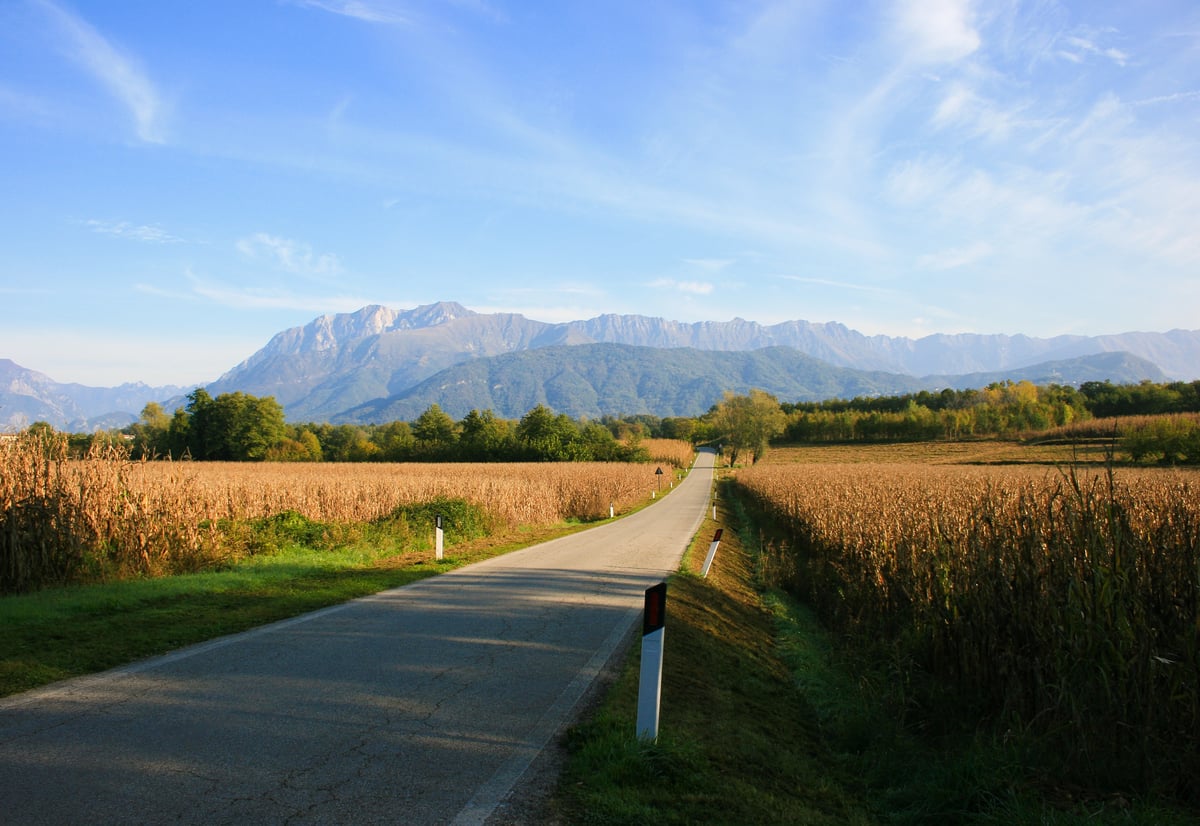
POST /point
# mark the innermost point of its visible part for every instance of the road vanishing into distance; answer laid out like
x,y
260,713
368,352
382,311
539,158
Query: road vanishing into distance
x,y
420,705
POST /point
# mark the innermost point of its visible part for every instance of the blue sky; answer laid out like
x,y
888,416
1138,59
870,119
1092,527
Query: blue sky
x,y
183,180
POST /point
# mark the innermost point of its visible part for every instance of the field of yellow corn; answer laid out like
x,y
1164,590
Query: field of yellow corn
x,y
1068,600
155,517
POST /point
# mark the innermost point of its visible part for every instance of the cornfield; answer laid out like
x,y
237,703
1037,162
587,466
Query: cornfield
x,y
1065,602
674,452
63,519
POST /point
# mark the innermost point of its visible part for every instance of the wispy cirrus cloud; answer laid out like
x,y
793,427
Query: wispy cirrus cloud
x,y
955,257
709,264
1083,45
243,297
391,12
688,287
836,284
116,71
293,256
368,11
149,233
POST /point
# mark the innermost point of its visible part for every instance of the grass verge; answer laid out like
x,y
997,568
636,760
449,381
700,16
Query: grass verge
x,y
66,632
764,721
737,742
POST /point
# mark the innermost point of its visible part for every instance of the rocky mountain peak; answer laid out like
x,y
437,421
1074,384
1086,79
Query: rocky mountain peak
x,y
431,315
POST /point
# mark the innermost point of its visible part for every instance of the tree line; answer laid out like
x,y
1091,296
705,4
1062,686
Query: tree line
x,y
241,427
1002,409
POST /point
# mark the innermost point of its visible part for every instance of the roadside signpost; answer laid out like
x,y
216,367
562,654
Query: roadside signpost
x,y
712,552
650,679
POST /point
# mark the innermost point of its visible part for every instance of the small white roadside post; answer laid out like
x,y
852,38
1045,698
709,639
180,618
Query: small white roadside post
x,y
712,552
438,537
650,678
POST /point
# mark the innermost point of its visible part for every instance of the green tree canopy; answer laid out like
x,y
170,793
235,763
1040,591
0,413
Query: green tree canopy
x,y
484,436
231,427
546,437
434,432
748,423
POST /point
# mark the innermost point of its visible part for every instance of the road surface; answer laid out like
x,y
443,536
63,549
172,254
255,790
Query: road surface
x,y
419,705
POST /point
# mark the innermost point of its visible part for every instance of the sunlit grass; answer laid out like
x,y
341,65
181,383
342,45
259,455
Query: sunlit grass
x,y
65,632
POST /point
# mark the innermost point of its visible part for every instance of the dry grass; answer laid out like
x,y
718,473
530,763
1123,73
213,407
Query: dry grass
x,y
1066,600
106,516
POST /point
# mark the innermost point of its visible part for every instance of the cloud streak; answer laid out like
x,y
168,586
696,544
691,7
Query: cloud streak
x,y
687,287
292,256
379,11
241,297
149,233
114,70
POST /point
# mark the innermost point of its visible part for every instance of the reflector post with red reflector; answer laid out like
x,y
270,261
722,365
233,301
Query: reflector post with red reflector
x,y
650,680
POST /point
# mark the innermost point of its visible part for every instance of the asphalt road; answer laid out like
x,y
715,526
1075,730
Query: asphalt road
x,y
420,705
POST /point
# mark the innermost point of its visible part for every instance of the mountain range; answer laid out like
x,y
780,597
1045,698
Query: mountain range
x,y
381,364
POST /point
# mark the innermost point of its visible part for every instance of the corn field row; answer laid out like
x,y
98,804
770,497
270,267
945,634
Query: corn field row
x,y
675,452
63,519
1066,603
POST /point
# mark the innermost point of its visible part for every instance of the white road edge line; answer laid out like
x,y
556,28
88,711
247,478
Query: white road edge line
x,y
491,794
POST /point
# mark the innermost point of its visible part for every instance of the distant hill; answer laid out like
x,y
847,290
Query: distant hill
x,y
27,396
1119,368
594,380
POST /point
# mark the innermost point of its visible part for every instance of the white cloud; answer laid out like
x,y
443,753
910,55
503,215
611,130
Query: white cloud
x,y
263,298
1177,97
921,180
116,71
956,257
1078,48
936,31
293,256
149,233
24,105
841,285
379,11
709,264
687,287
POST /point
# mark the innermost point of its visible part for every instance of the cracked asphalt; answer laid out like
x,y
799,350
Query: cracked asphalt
x,y
421,705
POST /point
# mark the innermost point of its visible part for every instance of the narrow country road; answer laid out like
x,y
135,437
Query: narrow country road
x,y
419,705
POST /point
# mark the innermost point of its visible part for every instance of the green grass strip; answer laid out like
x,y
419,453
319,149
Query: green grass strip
x,y
59,633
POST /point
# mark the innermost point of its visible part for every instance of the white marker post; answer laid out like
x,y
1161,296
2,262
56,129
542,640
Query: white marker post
x,y
437,537
712,552
650,679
